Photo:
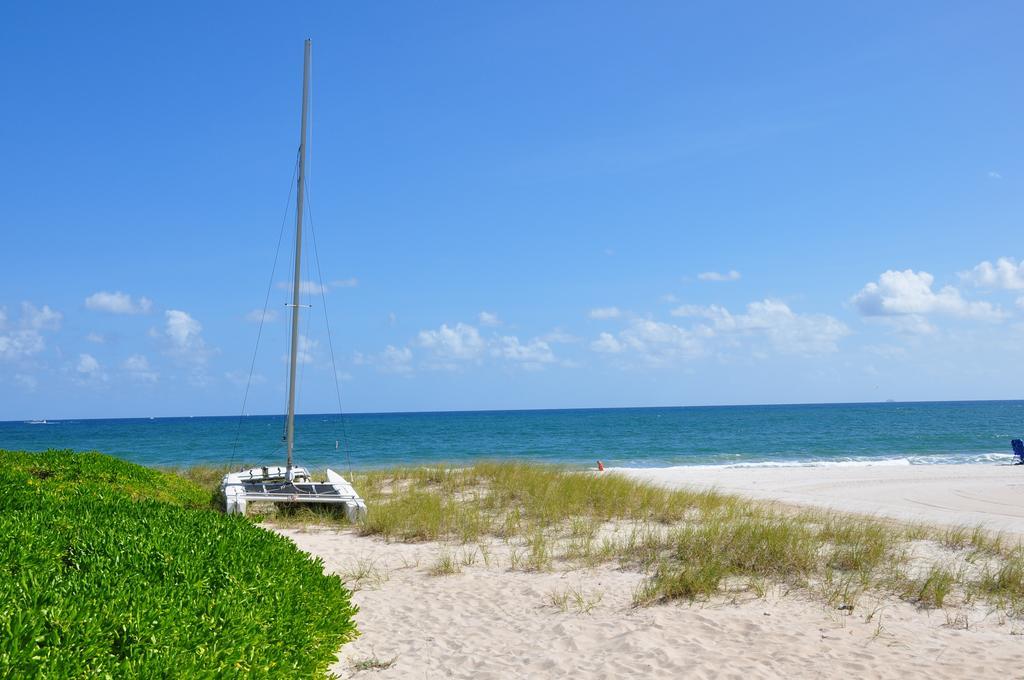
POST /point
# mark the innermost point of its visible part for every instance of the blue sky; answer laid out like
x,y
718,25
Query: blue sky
x,y
516,205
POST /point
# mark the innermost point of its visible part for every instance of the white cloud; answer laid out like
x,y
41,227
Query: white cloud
x,y
605,313
184,335
731,275
95,338
304,352
699,310
532,355
1020,302
793,333
489,319
994,174
20,344
764,325
450,346
392,318
89,368
391,360
910,324
787,331
658,343
182,329
606,343
395,360
559,336
909,293
87,364
242,379
305,287
1005,274
258,315
314,287
138,368
39,318
117,303
26,339
463,342
887,351
305,349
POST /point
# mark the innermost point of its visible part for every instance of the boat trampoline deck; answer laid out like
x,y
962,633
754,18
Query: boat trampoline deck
x,y
295,492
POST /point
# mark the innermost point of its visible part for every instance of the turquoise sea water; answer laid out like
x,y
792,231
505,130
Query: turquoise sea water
x,y
813,434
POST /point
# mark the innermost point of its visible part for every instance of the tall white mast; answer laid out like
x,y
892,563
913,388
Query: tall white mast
x,y
300,196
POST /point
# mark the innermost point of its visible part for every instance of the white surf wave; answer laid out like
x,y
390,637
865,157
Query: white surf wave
x,y
943,459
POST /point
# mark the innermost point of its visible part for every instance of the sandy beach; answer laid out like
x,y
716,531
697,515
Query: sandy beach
x,y
991,496
491,620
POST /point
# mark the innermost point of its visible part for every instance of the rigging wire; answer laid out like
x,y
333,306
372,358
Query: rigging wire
x,y
285,339
263,315
330,341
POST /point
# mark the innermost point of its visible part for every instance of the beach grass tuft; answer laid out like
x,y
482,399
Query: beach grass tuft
x,y
445,565
374,664
931,590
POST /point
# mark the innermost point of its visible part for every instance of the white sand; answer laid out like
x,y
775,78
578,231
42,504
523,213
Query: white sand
x,y
988,495
493,622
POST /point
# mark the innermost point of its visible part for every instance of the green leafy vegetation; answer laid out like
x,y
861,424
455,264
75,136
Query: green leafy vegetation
x,y
109,569
61,472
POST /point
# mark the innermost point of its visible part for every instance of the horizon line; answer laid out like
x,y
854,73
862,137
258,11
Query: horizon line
x,y
526,410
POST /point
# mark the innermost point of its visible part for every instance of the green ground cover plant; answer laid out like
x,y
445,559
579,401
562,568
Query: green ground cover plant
x,y
109,569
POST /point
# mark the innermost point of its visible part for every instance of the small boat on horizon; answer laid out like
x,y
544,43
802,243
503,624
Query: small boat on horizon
x,y
289,483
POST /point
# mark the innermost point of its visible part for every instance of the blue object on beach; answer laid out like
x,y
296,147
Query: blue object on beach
x,y
1018,450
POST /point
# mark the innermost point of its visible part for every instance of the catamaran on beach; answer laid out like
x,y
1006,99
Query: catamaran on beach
x,y
290,483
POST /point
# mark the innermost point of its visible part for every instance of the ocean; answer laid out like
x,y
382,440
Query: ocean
x,y
916,433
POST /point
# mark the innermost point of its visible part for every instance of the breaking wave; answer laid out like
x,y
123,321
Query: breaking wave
x,y
936,459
